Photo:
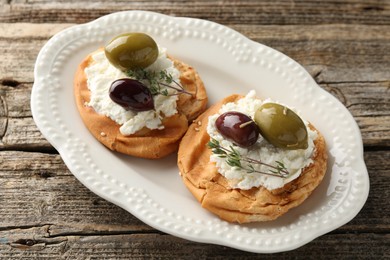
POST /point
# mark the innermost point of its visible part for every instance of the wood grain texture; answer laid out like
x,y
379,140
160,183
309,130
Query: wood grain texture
x,y
45,208
144,246
364,89
46,213
231,12
38,189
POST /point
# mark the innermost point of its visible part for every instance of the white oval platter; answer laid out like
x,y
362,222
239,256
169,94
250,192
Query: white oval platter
x,y
228,63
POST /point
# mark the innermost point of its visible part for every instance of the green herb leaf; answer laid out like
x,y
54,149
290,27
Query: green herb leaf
x,y
156,80
234,159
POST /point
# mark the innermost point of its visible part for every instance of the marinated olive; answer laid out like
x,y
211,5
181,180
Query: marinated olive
x,y
238,128
131,95
281,127
131,51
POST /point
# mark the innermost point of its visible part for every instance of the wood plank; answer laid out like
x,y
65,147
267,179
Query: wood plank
x,y
31,30
375,215
37,189
227,12
35,243
331,53
16,98
18,60
23,134
369,103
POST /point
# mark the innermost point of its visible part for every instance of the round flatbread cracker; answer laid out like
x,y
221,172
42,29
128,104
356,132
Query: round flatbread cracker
x,y
146,143
211,189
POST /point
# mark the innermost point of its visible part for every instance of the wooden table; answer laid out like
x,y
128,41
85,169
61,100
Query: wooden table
x,y
46,212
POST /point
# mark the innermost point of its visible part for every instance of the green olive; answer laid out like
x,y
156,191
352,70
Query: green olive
x,y
131,51
281,127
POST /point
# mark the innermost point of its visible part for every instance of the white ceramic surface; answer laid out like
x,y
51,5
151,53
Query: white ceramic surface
x,y
228,63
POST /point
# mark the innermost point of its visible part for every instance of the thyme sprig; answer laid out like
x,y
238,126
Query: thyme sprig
x,y
156,80
234,159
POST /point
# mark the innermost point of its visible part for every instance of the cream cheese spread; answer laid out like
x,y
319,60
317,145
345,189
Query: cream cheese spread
x,y
293,160
100,74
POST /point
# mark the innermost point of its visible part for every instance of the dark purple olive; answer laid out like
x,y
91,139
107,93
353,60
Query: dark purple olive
x,y
237,127
131,95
